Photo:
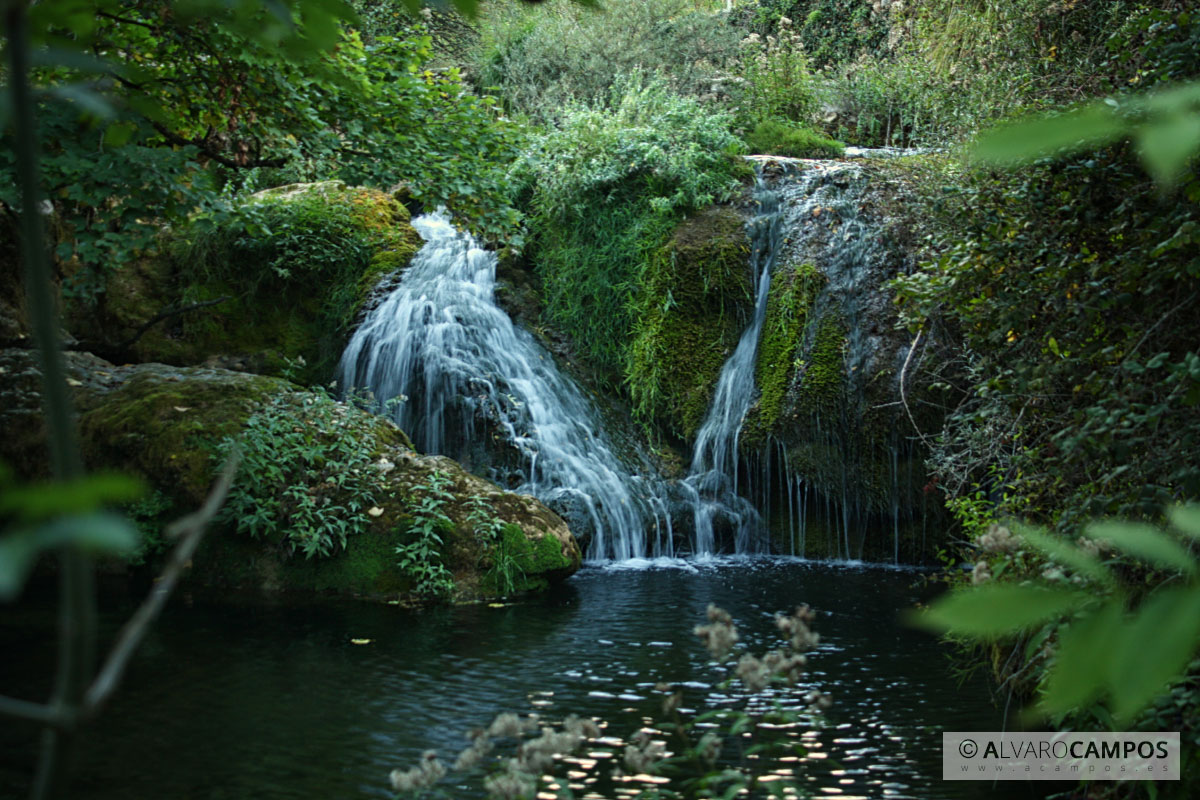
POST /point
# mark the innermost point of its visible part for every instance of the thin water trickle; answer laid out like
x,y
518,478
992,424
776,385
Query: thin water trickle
x,y
467,378
713,478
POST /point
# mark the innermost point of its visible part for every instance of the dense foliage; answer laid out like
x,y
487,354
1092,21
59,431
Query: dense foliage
x,y
542,58
306,480
184,105
606,186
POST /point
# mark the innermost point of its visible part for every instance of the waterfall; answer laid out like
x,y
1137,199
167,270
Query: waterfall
x,y
448,365
712,481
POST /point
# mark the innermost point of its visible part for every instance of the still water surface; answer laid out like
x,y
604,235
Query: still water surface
x,y
230,699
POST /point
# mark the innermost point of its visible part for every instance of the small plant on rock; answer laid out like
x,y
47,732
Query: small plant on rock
x,y
306,476
421,558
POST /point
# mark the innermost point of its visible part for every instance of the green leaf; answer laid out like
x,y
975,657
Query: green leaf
x,y
1080,671
997,609
1166,146
1186,518
44,500
1153,649
1083,128
119,133
1145,543
100,533
1064,553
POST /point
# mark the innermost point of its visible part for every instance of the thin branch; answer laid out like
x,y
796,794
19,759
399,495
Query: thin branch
x,y
903,399
1187,302
170,312
36,712
76,619
189,530
125,21
176,139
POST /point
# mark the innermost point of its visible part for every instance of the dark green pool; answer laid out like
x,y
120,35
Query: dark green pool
x,y
234,699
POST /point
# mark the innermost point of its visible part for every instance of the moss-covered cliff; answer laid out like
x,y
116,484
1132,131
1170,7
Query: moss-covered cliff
x,y
695,291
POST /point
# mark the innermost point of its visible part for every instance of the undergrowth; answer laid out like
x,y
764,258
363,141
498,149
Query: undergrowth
x,y
607,186
306,479
772,137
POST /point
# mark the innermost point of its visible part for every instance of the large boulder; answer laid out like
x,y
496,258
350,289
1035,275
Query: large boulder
x,y
281,279
168,425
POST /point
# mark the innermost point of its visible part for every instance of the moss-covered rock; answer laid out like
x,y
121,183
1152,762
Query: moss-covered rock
x,y
789,306
695,292
282,279
166,423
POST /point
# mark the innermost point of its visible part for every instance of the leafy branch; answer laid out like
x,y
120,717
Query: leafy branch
x,y
1103,648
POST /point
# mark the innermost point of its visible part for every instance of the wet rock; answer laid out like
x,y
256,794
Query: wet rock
x,y
163,423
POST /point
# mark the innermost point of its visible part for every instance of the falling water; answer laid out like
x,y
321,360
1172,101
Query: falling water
x,y
713,477
458,372
808,213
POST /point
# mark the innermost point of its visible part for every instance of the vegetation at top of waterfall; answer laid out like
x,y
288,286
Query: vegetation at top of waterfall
x,y
780,139
606,186
539,60
295,265
150,111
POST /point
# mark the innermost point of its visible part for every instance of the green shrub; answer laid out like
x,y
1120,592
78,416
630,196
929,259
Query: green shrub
x,y
421,558
608,184
540,59
780,139
775,78
900,101
296,264
306,474
831,31
1068,286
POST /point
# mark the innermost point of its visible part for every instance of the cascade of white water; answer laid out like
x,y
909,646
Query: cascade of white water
x,y
448,365
712,481
472,385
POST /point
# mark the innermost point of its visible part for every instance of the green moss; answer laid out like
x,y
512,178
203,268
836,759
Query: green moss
x,y
292,292
688,320
532,563
821,371
163,425
789,303
366,567
780,139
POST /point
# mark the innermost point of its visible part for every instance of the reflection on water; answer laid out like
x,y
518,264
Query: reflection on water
x,y
232,700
